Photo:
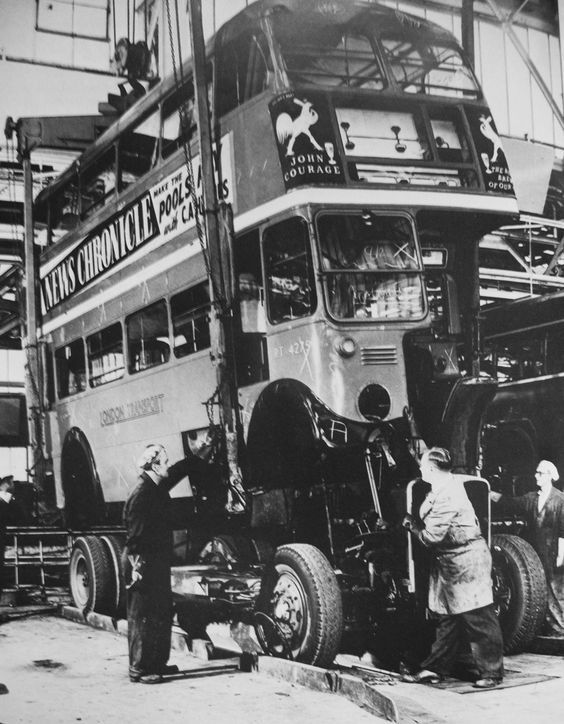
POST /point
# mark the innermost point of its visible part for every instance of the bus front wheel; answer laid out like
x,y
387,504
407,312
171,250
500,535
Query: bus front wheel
x,y
520,592
299,612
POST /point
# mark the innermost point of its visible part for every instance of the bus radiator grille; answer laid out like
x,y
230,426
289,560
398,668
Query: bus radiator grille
x,y
379,355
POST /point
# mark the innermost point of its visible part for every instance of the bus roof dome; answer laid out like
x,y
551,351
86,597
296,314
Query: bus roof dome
x,y
299,14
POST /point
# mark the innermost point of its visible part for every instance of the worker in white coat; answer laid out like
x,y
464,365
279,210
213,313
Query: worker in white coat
x,y
460,582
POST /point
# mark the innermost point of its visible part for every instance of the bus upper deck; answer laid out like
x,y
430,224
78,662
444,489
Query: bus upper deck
x,y
361,96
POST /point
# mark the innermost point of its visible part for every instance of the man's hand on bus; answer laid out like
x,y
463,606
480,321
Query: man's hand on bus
x,y
494,496
410,524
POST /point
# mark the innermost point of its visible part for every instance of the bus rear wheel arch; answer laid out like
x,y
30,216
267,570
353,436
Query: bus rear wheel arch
x,y
84,500
299,612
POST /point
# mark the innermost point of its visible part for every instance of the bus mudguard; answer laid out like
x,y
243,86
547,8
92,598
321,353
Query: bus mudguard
x,y
84,499
292,432
462,419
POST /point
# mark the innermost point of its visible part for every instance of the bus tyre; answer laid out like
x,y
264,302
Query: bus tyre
x,y
91,576
114,547
299,611
520,591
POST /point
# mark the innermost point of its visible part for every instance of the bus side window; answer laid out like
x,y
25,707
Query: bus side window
x,y
289,271
64,211
190,320
70,367
105,356
555,352
178,127
97,183
443,301
138,149
252,354
506,366
243,71
147,337
532,357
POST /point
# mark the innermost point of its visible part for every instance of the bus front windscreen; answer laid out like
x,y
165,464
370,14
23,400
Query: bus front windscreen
x,y
432,68
361,54
370,266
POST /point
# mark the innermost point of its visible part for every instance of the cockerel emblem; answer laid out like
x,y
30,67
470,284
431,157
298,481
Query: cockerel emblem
x,y
288,129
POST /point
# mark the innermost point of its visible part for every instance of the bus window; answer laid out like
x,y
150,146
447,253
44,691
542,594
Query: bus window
x,y
437,299
105,356
242,71
252,353
97,183
289,271
332,56
64,210
449,135
147,337
190,323
13,420
555,352
383,133
370,266
178,128
520,358
70,366
138,149
431,68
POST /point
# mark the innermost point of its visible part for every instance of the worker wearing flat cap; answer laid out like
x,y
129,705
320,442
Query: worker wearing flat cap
x,y
147,560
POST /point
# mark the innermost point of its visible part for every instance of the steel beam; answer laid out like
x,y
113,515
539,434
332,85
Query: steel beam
x,y
468,29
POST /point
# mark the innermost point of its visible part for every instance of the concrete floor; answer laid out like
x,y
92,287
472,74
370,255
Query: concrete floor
x,y
60,672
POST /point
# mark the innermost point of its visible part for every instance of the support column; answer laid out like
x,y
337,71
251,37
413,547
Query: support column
x,y
33,384
220,249
561,37
468,29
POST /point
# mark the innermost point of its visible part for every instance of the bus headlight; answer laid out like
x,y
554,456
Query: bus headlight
x,y
374,402
345,346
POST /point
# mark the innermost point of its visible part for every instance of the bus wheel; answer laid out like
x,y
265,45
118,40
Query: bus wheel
x,y
114,547
520,592
91,576
299,611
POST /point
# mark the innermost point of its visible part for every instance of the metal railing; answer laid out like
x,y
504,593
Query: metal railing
x,y
43,548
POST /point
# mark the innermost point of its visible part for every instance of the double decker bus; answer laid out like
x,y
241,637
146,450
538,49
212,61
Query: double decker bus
x,y
362,165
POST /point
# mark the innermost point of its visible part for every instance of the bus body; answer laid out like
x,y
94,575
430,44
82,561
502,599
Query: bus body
x,y
362,166
523,349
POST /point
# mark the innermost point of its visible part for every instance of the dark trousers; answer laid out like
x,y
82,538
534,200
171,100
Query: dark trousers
x,y
149,624
480,628
149,618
